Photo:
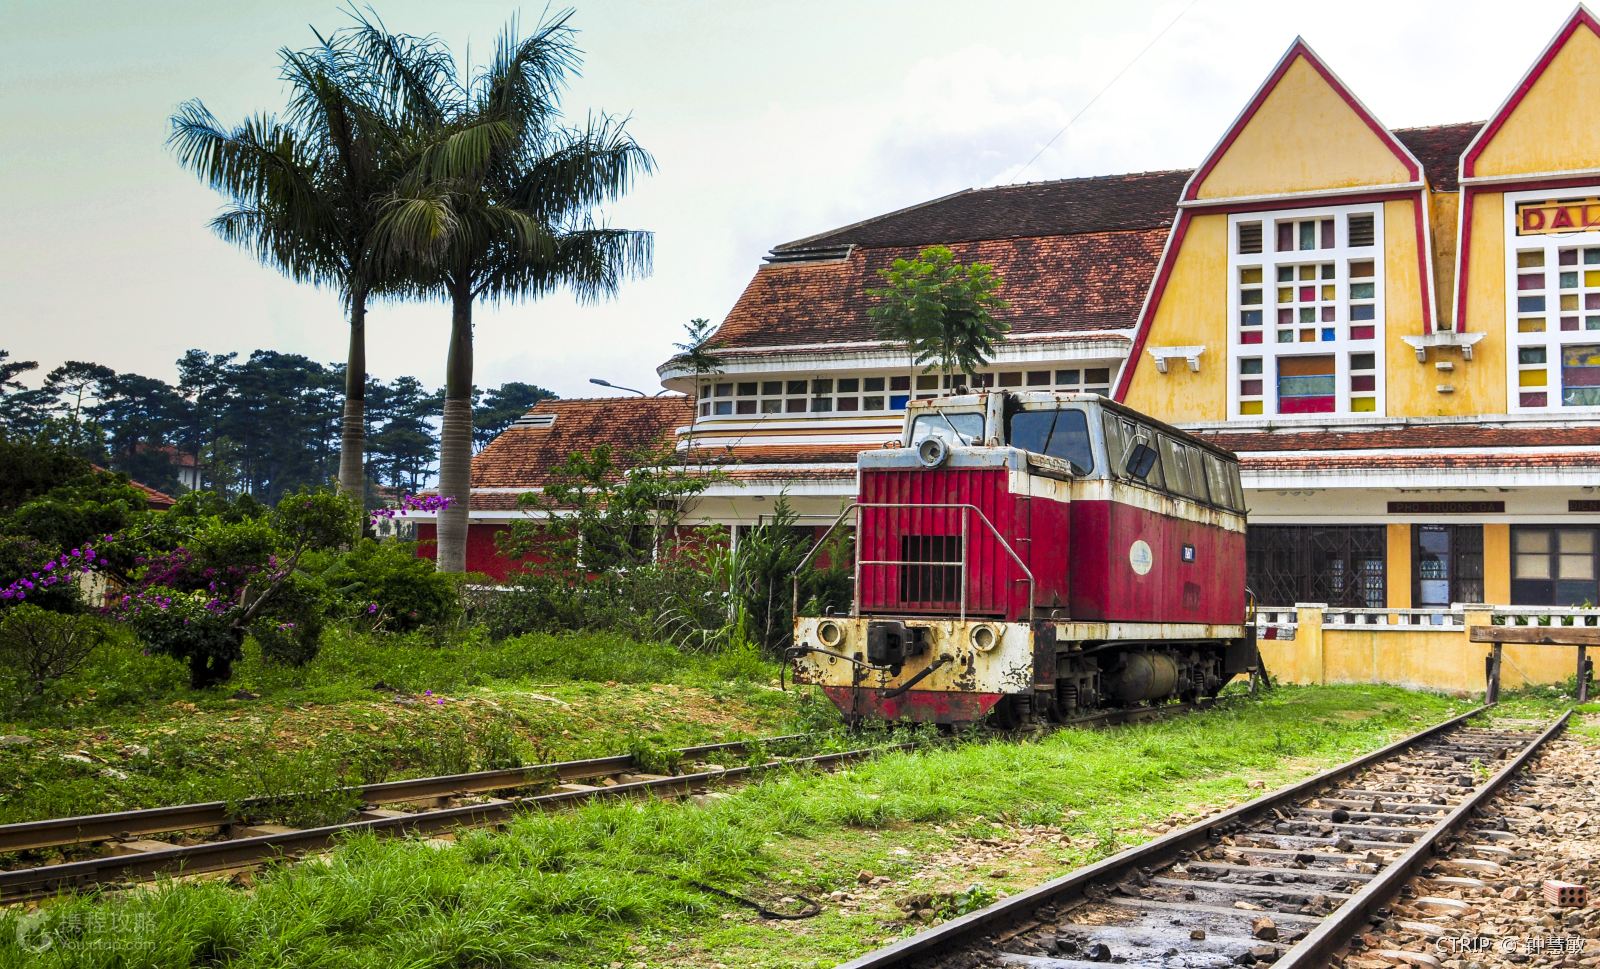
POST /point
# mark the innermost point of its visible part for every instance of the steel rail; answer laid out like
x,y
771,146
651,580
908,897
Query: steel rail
x,y
57,832
30,883
1341,925
1013,910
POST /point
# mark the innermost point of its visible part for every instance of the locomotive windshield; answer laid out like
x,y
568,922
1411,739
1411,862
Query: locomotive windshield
x,y
1061,434
965,429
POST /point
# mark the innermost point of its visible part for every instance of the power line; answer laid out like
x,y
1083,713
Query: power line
x,y
1108,85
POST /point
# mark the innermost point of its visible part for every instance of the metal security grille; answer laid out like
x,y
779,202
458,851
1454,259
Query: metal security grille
x,y
938,580
1343,566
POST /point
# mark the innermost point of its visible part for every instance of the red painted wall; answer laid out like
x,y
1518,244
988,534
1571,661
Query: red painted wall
x,y
482,553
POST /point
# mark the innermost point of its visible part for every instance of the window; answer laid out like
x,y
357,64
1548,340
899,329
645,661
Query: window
x,y
1307,307
885,393
1554,566
1341,565
1061,434
952,428
1553,301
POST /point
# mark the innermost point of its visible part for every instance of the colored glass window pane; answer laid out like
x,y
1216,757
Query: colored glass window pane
x,y
1531,378
1250,365
1285,236
1530,304
1530,326
1362,332
1361,290
1308,293
1327,334
1308,314
1285,274
1327,292
1254,336
1285,294
1308,272
1327,270
1250,318
1591,257
1071,376
1567,257
1363,381
1327,233
1250,388
1591,322
1364,311
1250,274
1250,297
1328,314
1569,322
1285,336
1569,301
1533,400
1285,316
1250,407
874,402
1364,404
1530,258
1361,269
1308,336
1308,235
1535,281
1363,361
1530,355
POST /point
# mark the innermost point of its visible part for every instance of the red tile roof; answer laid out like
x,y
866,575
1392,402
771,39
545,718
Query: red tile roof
x,y
1070,206
1088,282
1410,436
522,456
1433,461
153,499
1439,148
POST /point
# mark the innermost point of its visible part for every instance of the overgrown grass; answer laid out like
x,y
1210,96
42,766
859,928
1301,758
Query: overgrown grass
x,y
129,733
616,882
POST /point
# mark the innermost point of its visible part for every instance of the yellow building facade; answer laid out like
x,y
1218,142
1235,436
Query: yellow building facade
x,y
1399,333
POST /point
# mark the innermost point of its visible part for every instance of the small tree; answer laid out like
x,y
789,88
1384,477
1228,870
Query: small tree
x,y
940,310
40,646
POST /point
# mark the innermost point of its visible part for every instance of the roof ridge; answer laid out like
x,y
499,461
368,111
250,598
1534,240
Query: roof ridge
x,y
799,243
1147,173
1441,125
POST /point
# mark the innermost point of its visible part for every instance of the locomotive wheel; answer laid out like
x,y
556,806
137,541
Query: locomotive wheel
x,y
1007,714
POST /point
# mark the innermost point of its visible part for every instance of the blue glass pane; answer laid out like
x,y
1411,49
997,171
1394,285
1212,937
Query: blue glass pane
x,y
898,401
1327,333
1362,312
1530,304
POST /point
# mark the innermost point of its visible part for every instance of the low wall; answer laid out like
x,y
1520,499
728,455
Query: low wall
x,y
1403,647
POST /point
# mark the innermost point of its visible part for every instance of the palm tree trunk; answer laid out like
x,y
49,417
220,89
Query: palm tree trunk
x,y
455,438
353,428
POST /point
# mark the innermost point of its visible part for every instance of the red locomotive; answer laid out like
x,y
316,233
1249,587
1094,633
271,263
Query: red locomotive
x,y
1035,556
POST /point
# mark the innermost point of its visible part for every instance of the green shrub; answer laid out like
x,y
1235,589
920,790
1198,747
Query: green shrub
x,y
388,585
38,646
179,625
292,634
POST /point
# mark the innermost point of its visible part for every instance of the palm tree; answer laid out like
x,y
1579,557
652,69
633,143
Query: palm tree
x,y
305,192
500,205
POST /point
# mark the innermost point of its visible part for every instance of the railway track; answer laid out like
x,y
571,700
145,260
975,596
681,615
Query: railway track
x,y
1285,879
211,837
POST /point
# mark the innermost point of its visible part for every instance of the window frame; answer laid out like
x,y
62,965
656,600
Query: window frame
x,y
1342,348
1554,555
1553,338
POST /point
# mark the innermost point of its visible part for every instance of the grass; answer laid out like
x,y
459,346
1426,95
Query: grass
x,y
127,732
613,884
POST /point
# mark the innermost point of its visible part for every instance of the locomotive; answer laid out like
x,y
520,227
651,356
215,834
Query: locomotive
x,y
1034,556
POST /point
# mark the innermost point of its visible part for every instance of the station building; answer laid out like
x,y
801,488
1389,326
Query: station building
x,y
1398,331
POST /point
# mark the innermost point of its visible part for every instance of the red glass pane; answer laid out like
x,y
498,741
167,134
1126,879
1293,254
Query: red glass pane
x,y
1305,405
1363,381
1534,400
1285,236
1327,233
1308,294
1250,388
1362,332
1569,322
1250,336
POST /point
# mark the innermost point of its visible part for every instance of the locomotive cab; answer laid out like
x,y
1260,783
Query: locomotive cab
x,y
1035,555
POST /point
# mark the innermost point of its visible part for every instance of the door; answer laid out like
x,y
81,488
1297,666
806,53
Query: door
x,y
1447,565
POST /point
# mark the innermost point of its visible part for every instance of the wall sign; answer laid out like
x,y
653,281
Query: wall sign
x,y
1549,218
1583,504
1446,507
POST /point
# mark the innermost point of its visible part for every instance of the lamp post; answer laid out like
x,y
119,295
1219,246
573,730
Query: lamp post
x,y
606,383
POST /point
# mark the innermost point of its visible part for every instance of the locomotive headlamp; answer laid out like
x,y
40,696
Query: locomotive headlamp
x,y
830,633
984,638
932,452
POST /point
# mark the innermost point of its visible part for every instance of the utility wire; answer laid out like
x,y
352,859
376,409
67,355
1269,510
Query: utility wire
x,y
1108,85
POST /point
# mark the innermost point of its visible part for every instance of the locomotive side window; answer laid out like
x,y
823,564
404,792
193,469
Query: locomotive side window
x,y
965,429
1114,443
1185,473
1217,477
1061,434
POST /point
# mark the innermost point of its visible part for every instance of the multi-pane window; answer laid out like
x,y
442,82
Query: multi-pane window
x,y
881,392
1556,325
1305,312
1554,566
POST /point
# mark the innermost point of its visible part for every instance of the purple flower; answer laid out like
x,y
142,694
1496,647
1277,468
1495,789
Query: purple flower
x,y
427,693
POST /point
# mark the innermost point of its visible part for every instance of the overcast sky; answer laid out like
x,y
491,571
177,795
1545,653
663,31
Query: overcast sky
x,y
769,120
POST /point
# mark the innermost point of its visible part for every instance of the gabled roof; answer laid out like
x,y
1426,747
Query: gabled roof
x,y
153,499
522,456
1579,18
1066,283
1105,203
1439,148
1299,52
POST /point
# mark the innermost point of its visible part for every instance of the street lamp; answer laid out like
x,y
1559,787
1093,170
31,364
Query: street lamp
x,y
606,383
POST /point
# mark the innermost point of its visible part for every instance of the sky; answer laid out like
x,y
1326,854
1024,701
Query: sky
x,y
769,121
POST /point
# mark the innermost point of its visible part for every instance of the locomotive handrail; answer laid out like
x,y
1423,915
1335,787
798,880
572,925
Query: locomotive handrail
x,y
855,591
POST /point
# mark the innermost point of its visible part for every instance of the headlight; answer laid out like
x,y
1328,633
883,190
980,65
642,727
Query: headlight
x,y
985,638
830,633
